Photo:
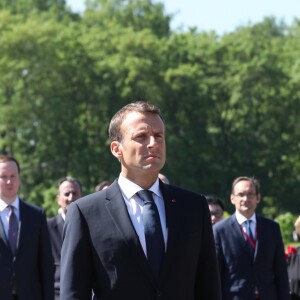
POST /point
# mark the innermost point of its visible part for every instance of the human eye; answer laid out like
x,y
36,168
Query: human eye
x,y
160,136
140,136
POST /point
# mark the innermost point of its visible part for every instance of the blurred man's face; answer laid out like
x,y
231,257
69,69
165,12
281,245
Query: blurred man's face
x,y
68,192
9,181
216,213
245,198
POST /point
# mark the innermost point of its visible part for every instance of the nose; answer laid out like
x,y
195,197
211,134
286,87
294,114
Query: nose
x,y
152,141
70,197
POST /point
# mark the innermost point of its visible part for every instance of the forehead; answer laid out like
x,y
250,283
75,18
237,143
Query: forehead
x,y
68,185
135,121
214,207
8,167
244,185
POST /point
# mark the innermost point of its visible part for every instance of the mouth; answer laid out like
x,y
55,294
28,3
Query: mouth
x,y
152,156
245,205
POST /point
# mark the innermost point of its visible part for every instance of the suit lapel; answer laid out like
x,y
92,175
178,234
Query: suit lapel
x,y
2,235
117,209
260,234
59,224
23,224
238,234
172,226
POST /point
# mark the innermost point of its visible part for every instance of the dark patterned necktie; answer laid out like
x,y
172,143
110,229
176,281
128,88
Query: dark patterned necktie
x,y
153,232
13,228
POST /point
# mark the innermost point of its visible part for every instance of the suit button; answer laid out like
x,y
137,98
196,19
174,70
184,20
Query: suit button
x,y
159,294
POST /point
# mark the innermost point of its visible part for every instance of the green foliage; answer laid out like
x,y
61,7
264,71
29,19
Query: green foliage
x,y
47,198
230,103
136,14
286,222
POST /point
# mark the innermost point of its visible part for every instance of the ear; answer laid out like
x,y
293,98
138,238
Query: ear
x,y
232,199
258,198
116,149
57,200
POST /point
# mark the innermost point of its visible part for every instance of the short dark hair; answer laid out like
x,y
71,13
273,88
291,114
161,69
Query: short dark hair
x,y
70,179
6,158
102,184
253,180
138,106
214,200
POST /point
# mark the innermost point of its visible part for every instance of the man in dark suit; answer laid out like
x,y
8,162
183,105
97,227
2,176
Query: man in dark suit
x,y
107,237
69,190
250,250
26,263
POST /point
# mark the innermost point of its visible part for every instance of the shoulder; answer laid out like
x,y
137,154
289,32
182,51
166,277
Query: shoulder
x,y
91,199
185,200
95,202
30,208
181,193
54,220
225,224
266,221
32,214
267,224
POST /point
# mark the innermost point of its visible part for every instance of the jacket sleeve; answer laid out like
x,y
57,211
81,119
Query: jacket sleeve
x,y
76,265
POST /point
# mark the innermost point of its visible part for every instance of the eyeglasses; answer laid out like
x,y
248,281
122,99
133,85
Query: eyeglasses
x,y
248,196
6,178
216,214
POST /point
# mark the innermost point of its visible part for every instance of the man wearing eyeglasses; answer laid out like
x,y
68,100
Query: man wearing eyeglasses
x,y
250,249
216,208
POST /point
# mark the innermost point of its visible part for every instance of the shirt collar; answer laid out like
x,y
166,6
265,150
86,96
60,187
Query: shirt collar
x,y
63,215
241,219
129,188
15,204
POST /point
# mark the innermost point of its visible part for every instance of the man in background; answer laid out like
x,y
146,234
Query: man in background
x,y
216,208
69,189
103,185
26,263
250,249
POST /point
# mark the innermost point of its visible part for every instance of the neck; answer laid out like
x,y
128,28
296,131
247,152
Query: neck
x,y
145,181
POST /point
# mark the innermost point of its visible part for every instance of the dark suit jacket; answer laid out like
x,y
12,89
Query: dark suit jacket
x,y
240,273
33,264
56,225
101,250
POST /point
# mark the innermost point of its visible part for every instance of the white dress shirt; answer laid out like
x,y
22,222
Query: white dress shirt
x,y
135,204
4,212
241,220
